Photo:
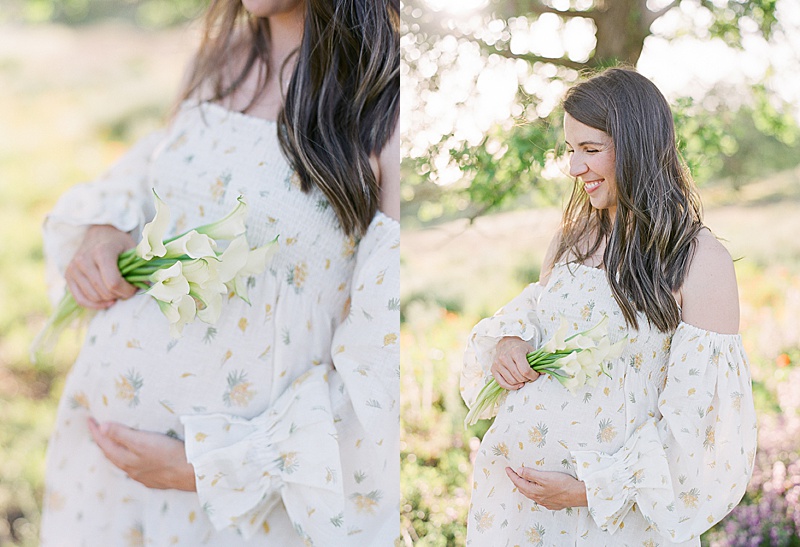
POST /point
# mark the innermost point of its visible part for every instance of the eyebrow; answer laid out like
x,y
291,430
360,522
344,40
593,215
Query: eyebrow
x,y
584,143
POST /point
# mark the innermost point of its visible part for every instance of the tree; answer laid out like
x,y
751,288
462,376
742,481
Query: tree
x,y
508,160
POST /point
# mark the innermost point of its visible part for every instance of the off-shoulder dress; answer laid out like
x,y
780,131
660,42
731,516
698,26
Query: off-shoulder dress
x,y
665,445
288,405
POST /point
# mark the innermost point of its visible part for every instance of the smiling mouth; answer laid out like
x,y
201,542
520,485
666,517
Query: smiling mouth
x,y
592,186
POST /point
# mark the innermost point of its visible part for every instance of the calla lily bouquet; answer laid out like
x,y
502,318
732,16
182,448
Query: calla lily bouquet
x,y
574,361
187,275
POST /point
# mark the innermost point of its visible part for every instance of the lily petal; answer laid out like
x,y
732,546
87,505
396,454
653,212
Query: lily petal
x,y
229,227
192,244
152,243
169,284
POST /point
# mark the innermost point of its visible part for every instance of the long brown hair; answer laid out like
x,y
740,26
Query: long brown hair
x,y
651,241
342,101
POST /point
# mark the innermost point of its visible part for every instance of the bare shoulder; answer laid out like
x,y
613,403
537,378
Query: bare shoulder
x,y
549,258
388,173
709,295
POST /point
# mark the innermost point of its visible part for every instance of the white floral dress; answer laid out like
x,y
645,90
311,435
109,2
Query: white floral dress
x,y
665,445
288,406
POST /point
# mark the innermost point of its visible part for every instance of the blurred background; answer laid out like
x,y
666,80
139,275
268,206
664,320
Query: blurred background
x,y
483,189
80,81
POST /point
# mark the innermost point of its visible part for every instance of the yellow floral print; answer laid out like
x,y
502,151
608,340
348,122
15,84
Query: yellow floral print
x,y
288,462
128,387
366,503
535,535
500,449
538,434
240,391
483,521
79,400
297,276
690,498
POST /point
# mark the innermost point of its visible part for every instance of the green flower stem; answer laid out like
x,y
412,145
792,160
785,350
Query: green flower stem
x,y
133,279
132,265
127,258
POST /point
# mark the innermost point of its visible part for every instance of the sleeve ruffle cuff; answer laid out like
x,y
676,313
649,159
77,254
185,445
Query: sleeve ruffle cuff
x,y
517,318
612,481
244,467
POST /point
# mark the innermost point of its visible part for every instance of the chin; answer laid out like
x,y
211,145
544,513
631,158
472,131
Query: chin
x,y
268,8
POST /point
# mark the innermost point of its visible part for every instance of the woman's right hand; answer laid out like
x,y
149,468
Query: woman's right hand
x,y
92,276
510,368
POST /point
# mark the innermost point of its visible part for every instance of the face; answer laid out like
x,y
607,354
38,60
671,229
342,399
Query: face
x,y
592,161
270,8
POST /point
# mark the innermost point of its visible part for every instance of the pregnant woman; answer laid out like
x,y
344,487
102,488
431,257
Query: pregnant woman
x,y
278,424
662,448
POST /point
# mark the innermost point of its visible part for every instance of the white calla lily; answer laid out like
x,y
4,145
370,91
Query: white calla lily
x,y
229,227
233,259
211,309
152,243
192,244
169,284
179,313
558,341
256,263
206,287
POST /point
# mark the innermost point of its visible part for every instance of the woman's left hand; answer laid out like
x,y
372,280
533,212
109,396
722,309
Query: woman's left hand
x,y
550,489
153,459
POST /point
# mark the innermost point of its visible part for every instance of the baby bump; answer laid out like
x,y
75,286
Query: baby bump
x,y
130,369
542,422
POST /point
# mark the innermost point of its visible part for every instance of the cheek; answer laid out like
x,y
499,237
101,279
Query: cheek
x,y
608,170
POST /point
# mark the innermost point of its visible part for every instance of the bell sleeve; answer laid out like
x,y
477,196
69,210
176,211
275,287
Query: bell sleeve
x,y
328,448
517,318
120,198
688,469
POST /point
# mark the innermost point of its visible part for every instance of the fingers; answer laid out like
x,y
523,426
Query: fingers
x,y
122,435
530,474
116,453
93,276
524,369
511,368
527,488
83,291
503,377
112,280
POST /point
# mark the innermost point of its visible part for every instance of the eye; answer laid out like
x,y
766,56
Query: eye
x,y
591,151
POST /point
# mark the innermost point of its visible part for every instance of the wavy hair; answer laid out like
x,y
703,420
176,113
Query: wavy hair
x,y
342,101
651,241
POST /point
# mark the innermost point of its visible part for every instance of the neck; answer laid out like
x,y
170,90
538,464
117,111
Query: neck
x,y
286,34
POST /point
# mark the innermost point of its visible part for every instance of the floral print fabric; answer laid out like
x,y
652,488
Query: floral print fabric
x,y
288,406
665,445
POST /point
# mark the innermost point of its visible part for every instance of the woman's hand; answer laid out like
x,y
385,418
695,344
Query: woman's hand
x,y
92,276
550,489
510,367
153,459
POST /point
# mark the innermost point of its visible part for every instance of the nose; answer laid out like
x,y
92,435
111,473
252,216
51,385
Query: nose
x,y
577,166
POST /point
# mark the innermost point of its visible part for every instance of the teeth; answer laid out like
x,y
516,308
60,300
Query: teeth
x,y
592,185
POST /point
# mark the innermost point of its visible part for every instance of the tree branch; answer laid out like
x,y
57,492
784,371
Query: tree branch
x,y
532,58
541,8
650,16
